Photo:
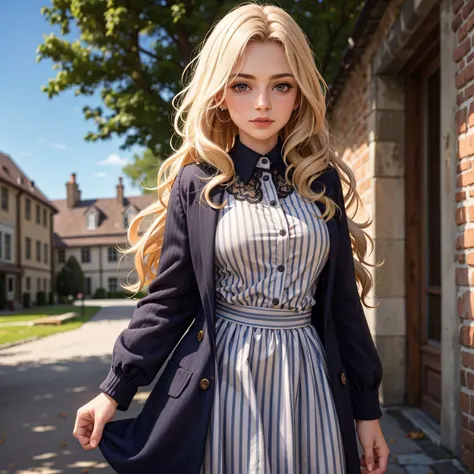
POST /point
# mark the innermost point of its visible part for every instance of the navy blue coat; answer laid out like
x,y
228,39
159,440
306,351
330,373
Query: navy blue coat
x,y
169,435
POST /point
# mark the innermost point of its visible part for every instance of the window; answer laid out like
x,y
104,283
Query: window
x,y
27,248
91,221
85,255
28,283
44,284
38,251
62,256
28,209
88,284
45,251
45,218
10,285
113,284
5,199
38,214
128,216
8,246
112,254
1,245
38,284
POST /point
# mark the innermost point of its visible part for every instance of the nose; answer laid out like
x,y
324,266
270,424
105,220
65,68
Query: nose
x,y
262,102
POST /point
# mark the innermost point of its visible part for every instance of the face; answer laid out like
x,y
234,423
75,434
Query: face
x,y
265,87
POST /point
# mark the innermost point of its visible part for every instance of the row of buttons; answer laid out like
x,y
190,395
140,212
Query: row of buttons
x,y
266,178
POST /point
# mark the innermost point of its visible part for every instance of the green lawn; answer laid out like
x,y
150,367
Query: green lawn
x,y
17,333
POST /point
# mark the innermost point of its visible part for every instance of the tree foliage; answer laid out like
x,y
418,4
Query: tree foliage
x,y
133,53
70,280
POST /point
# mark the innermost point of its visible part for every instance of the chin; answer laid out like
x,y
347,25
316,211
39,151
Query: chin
x,y
263,133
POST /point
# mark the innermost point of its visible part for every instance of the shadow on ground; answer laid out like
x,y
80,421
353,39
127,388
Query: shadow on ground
x,y
38,403
43,383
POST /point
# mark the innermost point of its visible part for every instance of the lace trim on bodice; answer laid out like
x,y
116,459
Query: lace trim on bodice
x,y
252,190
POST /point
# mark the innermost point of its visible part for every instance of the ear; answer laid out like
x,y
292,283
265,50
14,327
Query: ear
x,y
218,98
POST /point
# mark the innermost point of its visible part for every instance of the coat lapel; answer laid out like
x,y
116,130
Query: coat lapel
x,y
207,231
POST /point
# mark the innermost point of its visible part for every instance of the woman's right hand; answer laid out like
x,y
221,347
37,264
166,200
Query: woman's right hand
x,y
91,419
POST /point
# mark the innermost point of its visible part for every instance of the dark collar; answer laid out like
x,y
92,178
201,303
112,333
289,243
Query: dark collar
x,y
245,159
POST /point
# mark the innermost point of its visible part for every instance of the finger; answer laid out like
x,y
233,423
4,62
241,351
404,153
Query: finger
x,y
97,433
83,419
369,458
382,461
84,440
83,430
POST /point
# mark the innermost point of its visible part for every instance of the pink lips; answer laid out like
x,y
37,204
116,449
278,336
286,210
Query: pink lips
x,y
262,122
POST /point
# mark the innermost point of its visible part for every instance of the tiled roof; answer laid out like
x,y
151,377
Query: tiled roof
x,y
70,224
10,173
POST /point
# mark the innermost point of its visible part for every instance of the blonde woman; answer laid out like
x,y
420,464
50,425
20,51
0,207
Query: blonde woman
x,y
252,281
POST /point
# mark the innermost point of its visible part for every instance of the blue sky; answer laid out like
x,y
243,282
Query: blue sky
x,y
45,137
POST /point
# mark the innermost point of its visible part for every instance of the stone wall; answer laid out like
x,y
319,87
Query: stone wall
x,y
368,123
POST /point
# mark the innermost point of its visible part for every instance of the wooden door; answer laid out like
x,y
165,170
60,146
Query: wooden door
x,y
423,259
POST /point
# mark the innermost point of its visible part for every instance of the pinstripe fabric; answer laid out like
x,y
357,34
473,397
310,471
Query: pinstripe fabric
x,y
273,411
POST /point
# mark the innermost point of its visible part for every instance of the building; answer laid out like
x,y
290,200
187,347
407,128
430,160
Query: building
x,y
402,111
26,235
92,230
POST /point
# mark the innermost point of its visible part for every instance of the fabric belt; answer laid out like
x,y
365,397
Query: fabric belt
x,y
269,318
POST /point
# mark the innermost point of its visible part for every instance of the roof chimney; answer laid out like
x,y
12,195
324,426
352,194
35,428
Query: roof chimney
x,y
120,188
72,192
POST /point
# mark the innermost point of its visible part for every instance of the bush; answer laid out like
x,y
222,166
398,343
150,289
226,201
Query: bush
x,y
50,298
115,294
100,294
63,299
41,298
26,300
70,280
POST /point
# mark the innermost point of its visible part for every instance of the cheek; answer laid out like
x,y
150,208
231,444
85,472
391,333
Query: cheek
x,y
239,104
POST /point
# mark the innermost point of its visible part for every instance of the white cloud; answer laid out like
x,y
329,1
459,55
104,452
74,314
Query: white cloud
x,y
100,174
55,145
114,160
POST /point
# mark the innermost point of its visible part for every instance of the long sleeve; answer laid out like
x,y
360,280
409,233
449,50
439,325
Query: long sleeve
x,y
161,317
358,351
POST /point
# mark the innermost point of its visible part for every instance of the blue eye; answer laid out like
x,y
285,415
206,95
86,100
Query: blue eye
x,y
284,84
235,87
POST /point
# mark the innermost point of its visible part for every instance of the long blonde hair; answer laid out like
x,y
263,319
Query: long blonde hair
x,y
206,136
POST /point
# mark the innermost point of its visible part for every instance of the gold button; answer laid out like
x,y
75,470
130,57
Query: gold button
x,y
200,336
343,378
204,384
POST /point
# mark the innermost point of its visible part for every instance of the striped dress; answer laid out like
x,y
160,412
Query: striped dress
x,y
273,411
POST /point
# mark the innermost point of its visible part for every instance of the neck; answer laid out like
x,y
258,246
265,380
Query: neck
x,y
260,146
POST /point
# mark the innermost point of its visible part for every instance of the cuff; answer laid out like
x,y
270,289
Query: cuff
x,y
120,389
366,405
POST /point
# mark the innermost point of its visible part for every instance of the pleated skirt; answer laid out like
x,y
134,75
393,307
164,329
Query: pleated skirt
x,y
273,411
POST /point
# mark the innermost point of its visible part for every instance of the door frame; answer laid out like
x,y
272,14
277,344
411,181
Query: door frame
x,y
426,59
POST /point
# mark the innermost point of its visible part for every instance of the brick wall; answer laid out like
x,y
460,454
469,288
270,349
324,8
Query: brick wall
x,y
350,116
354,125
463,55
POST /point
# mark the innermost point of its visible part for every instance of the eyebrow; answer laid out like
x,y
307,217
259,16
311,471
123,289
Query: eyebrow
x,y
275,76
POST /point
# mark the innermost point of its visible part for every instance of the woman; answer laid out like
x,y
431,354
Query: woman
x,y
252,282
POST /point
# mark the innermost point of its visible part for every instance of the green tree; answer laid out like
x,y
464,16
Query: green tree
x,y
133,53
70,280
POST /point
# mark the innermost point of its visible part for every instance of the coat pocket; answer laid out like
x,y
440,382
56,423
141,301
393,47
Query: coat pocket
x,y
174,379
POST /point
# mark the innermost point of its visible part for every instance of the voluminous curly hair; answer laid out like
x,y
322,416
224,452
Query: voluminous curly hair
x,y
206,138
